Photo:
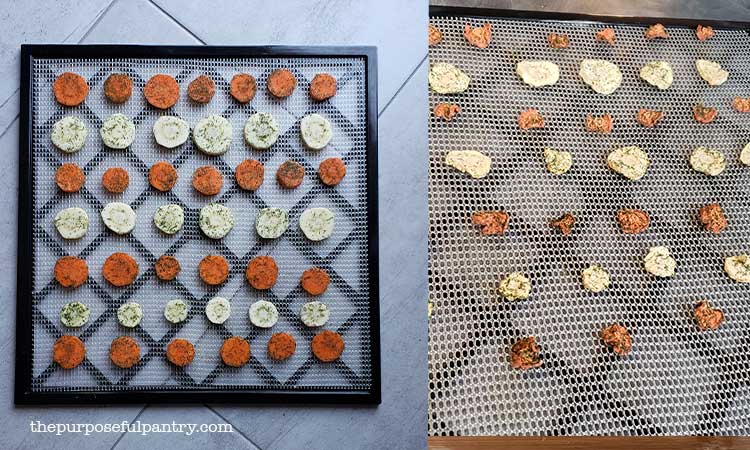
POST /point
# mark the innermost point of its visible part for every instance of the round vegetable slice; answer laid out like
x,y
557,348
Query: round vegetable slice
x,y
72,223
119,217
271,223
74,314
170,131
69,134
117,131
316,131
169,218
212,135
261,131
314,314
263,314
218,310
317,223
130,314
175,311
216,220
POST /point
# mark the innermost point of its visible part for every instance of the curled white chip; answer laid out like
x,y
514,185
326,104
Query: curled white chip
x,y
69,134
218,310
119,217
707,161
745,155
316,131
738,268
515,287
261,131
538,73
595,278
117,131
630,162
130,314
660,262
216,220
271,223
711,72
74,314
314,314
317,223
171,131
72,223
658,73
212,135
446,78
557,161
475,163
263,314
169,218
602,76
175,311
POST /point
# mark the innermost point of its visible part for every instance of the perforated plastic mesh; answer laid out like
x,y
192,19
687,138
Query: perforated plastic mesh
x,y
677,380
343,255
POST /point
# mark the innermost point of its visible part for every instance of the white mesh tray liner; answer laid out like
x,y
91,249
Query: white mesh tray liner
x,y
677,380
344,255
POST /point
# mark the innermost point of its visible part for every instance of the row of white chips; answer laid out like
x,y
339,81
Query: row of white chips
x,y
215,220
212,134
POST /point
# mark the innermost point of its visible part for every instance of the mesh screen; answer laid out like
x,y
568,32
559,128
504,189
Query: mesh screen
x,y
343,255
677,380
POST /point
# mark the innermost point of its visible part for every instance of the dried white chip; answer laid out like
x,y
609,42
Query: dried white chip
x,y
711,72
263,314
218,310
558,162
658,73
212,135
215,220
117,131
169,218
261,131
538,73
476,164
630,162
595,278
316,131
446,78
603,76
170,131
74,314
69,134
515,287
738,268
317,223
130,314
271,223
707,161
119,217
314,314
660,262
175,311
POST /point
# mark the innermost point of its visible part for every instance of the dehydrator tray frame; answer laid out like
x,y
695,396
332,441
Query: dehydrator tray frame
x,y
358,67
582,388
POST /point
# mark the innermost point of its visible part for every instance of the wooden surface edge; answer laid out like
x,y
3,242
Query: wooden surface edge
x,y
598,443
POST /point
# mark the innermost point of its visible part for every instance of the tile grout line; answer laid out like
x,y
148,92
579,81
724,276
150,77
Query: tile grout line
x,y
398,91
97,20
173,19
235,428
122,435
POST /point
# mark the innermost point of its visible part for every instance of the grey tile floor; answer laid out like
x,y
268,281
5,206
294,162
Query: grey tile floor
x,y
400,421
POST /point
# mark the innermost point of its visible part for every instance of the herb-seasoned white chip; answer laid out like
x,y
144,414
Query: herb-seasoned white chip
x,y
316,131
476,164
603,76
72,223
263,314
74,314
317,223
129,314
558,162
446,78
69,134
538,73
169,218
218,310
595,278
711,72
175,311
660,262
314,314
707,161
170,131
119,217
212,135
658,73
738,268
216,220
117,131
515,287
271,223
745,155
261,131
630,162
